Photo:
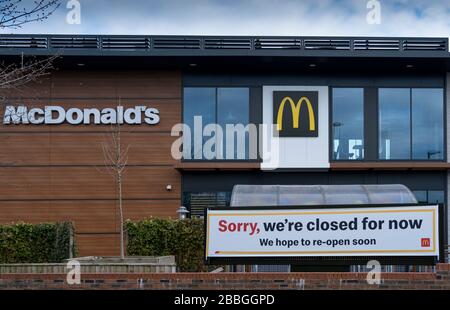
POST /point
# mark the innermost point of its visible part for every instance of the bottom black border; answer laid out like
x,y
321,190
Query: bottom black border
x,y
89,299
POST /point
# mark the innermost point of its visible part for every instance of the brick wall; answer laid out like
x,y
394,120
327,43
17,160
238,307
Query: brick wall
x,y
326,280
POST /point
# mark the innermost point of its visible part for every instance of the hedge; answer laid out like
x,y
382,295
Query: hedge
x,y
35,243
160,237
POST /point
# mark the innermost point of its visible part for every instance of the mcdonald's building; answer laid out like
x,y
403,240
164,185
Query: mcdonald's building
x,y
325,111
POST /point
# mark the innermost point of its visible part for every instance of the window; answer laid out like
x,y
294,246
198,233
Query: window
x,y
198,102
348,123
427,124
232,109
431,197
197,202
421,196
219,107
436,197
394,120
411,124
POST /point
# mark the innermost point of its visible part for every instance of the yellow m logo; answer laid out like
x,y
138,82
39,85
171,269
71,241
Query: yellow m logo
x,y
296,113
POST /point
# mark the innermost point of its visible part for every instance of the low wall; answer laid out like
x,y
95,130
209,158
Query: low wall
x,y
98,265
224,281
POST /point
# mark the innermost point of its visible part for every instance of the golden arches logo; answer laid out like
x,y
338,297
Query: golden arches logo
x,y
296,113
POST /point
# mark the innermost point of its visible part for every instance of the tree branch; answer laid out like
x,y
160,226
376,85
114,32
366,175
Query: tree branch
x,y
15,13
14,77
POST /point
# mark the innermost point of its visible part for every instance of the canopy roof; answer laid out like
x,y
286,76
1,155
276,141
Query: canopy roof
x,y
298,195
338,54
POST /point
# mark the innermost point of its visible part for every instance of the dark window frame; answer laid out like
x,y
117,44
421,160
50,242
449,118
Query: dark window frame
x,y
251,93
330,121
185,195
427,193
371,154
409,122
444,131
444,124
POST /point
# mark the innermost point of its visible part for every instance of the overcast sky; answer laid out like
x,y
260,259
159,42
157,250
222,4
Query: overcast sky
x,y
250,17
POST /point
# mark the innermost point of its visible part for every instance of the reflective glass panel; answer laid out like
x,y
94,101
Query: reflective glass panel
x,y
233,110
394,123
348,124
427,124
198,102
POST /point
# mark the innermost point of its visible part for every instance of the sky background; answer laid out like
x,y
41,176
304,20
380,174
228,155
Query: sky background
x,y
250,17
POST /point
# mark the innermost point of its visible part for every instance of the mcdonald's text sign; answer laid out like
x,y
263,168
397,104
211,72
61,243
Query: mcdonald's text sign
x,y
296,113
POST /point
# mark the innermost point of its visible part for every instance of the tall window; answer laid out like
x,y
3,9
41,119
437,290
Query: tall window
x,y
427,124
394,123
411,124
348,123
198,102
233,109
212,115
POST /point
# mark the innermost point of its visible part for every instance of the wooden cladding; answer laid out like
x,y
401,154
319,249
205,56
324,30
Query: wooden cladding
x,y
98,244
56,172
106,84
88,216
140,182
219,166
68,148
87,84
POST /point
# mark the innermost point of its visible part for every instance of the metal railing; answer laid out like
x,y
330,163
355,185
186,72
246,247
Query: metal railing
x,y
149,43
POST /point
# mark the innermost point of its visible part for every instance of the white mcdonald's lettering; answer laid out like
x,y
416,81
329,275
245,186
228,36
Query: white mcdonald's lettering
x,y
53,115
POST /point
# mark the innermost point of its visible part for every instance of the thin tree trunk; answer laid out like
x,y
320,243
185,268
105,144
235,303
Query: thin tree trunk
x,y
116,159
122,250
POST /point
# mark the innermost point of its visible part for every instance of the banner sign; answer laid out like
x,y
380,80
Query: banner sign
x,y
348,231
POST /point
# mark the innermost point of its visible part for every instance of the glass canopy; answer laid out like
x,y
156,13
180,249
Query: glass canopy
x,y
302,195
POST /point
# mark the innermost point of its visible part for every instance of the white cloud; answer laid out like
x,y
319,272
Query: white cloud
x,y
252,17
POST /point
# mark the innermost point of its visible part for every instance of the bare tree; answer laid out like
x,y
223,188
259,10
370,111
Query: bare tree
x,y
17,74
15,13
16,77
115,155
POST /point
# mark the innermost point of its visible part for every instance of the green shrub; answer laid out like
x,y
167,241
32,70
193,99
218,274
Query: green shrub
x,y
160,237
35,243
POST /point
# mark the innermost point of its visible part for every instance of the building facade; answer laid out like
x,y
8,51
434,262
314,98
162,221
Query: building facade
x,y
346,111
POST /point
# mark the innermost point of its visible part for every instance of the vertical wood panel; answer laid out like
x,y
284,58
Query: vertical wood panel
x,y
98,244
48,172
88,216
81,149
140,182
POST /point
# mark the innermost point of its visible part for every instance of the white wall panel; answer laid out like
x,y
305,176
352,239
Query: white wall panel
x,y
298,152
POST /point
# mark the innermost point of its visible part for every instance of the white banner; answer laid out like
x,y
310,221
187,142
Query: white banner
x,y
374,231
